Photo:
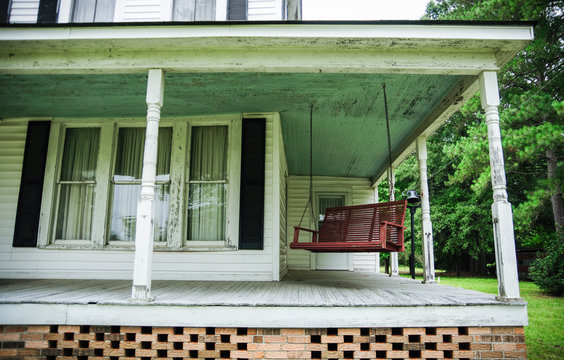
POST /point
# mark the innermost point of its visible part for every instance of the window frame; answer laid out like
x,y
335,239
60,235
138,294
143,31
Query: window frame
x,y
179,179
234,133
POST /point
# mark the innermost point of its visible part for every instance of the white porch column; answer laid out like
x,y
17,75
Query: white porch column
x,y
141,289
427,227
376,254
394,262
504,239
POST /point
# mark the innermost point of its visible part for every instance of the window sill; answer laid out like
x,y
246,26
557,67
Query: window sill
x,y
200,246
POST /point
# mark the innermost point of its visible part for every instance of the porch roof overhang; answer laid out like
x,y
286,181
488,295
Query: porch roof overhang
x,y
430,69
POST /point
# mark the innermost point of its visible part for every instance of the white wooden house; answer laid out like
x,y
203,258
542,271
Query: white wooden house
x,y
177,155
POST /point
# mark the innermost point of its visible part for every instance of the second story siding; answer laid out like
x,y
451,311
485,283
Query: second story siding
x,y
69,11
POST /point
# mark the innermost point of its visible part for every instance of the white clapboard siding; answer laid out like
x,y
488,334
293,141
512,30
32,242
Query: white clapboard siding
x,y
298,194
24,11
264,10
111,263
12,143
143,10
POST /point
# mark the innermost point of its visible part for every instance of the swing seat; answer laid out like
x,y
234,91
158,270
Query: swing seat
x,y
362,228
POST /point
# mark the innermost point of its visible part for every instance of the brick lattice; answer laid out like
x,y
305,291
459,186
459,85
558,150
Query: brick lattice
x,y
62,342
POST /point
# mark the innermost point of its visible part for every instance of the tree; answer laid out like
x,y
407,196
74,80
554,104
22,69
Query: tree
x,y
531,115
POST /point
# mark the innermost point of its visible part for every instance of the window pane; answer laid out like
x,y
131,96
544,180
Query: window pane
x,y
124,212
93,11
128,168
84,10
105,11
129,154
208,157
190,10
80,154
328,201
76,205
76,201
206,212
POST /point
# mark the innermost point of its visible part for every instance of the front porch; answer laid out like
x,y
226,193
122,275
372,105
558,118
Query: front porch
x,y
303,299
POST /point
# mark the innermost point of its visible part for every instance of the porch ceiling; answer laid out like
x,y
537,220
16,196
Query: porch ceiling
x,y
349,134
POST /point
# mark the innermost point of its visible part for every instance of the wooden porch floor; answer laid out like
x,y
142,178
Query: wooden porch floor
x,y
298,288
301,299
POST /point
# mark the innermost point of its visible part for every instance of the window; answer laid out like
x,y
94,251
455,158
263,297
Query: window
x,y
325,201
126,184
193,10
90,11
208,183
77,181
94,185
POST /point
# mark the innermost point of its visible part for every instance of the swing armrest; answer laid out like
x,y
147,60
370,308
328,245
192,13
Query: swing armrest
x,y
297,234
392,224
383,234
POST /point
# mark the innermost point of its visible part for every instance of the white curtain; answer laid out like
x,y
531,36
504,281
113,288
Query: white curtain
x,y
328,201
76,184
127,183
93,11
208,175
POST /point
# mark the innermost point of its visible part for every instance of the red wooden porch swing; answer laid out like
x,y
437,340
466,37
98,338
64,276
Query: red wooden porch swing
x,y
361,228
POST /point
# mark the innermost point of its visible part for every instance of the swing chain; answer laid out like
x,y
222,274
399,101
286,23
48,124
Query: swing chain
x,y
310,200
390,174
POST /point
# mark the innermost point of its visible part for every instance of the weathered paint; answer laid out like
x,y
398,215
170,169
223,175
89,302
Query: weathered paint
x,y
504,238
144,234
349,125
111,262
426,225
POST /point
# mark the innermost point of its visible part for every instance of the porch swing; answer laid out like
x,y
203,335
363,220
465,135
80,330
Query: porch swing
x,y
361,228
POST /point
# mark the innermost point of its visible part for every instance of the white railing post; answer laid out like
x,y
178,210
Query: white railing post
x,y
141,289
394,261
504,238
427,226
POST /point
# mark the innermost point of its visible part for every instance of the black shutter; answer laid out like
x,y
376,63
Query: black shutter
x,y
47,12
4,11
31,184
237,10
251,215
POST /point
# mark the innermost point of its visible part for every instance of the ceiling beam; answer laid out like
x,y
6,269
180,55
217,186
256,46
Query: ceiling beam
x,y
63,60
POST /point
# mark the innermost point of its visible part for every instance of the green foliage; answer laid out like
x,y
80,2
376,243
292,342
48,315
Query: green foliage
x,y
545,333
548,270
532,125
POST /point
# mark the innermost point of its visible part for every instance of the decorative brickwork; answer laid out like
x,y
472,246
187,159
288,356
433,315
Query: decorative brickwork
x,y
50,342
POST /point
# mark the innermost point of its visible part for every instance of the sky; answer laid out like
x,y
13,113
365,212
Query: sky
x,y
363,9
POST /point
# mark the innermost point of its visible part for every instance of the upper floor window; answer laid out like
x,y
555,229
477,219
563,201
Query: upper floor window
x,y
193,10
91,11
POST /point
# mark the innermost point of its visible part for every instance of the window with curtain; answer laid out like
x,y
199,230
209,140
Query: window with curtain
x,y
90,11
328,201
126,184
207,183
76,184
193,10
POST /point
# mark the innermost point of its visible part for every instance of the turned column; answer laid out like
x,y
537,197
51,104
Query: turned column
x,y
141,289
427,226
504,238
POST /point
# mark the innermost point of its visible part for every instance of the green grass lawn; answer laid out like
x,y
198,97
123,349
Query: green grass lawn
x,y
545,333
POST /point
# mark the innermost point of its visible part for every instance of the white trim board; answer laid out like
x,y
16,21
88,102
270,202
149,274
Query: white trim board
x,y
264,316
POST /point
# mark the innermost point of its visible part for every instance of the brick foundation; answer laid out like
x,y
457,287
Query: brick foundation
x,y
50,342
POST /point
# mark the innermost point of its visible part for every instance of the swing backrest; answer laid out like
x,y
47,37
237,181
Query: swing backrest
x,y
362,222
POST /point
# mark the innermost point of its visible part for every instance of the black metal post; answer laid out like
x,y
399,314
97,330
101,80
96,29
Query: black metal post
x,y
412,210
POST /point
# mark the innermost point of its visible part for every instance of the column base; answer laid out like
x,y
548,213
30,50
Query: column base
x,y
141,293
